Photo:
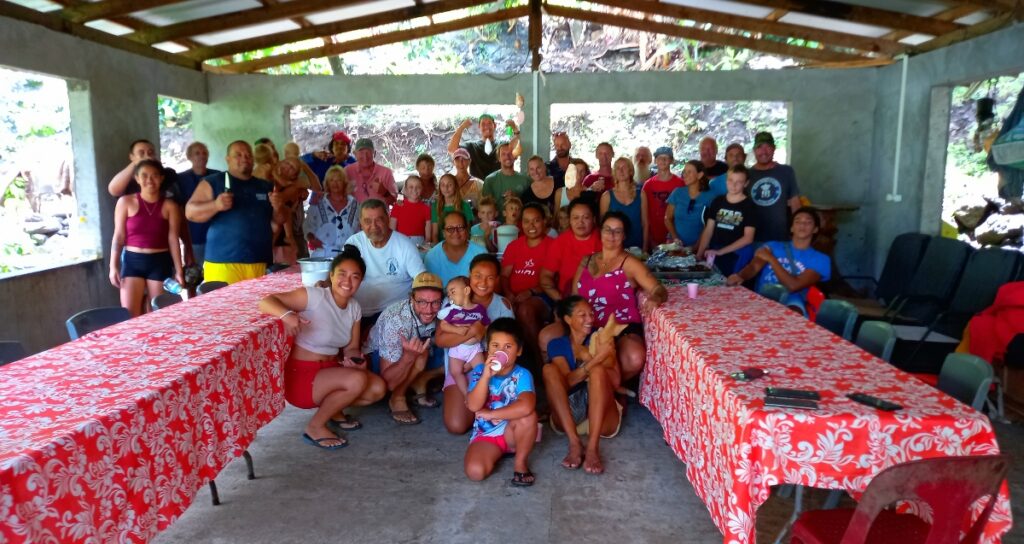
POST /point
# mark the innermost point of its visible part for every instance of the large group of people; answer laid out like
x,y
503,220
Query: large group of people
x,y
425,282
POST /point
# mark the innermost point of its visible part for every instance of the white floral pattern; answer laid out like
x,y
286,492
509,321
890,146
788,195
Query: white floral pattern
x,y
735,449
108,438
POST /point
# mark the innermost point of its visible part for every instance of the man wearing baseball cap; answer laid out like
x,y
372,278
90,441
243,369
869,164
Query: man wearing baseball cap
x,y
483,153
369,179
336,152
658,188
400,342
773,189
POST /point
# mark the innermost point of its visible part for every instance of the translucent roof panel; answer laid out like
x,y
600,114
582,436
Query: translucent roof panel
x,y
725,6
835,25
916,39
246,32
193,9
922,8
170,47
974,18
358,10
38,5
109,27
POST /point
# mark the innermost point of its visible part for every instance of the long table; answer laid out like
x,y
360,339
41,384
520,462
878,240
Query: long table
x,y
108,438
736,449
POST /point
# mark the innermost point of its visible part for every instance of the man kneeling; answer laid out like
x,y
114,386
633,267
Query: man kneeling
x,y
502,397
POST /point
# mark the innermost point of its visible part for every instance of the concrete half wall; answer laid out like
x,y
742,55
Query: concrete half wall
x,y
113,97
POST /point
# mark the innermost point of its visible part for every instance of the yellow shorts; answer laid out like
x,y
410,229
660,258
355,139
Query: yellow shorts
x,y
232,272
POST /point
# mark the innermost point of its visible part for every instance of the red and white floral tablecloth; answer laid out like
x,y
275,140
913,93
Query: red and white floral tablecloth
x,y
108,438
735,448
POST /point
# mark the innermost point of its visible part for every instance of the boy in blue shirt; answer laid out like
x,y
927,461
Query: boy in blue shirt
x,y
795,265
503,401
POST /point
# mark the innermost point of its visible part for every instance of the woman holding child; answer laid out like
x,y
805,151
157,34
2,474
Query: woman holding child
x,y
484,273
326,369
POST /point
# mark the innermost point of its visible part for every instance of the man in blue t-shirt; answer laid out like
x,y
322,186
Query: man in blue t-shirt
x,y
734,154
773,188
795,265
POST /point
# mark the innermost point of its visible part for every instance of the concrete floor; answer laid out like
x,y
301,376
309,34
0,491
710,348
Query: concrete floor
x,y
405,484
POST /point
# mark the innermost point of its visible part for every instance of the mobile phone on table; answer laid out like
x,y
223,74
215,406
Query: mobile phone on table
x,y
874,402
783,402
805,394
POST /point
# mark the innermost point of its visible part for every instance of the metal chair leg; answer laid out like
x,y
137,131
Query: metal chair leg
x,y
213,493
248,465
798,508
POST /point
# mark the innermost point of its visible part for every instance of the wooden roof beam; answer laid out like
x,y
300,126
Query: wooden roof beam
x,y
374,41
753,24
984,27
91,11
861,14
536,34
236,19
328,29
950,14
59,24
691,33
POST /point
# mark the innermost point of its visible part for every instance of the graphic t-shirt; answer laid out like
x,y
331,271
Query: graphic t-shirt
x,y
771,191
389,271
730,220
459,316
688,213
805,259
501,391
526,262
411,217
657,200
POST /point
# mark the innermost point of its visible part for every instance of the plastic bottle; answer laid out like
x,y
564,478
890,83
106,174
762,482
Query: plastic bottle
x,y
172,286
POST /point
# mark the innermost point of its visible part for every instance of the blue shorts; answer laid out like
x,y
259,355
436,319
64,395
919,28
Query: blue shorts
x,y
150,266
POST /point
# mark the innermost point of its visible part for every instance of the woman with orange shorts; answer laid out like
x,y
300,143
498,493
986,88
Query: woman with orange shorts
x,y
326,370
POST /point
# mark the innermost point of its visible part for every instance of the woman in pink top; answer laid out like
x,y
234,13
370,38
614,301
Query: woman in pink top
x,y
146,227
608,280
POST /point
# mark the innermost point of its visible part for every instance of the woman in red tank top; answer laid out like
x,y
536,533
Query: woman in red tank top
x,y
146,227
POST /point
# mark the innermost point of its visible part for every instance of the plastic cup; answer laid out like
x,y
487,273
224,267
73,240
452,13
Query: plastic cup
x,y
498,360
691,290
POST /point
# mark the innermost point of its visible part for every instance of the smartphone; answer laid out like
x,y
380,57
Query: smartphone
x,y
874,402
805,394
782,402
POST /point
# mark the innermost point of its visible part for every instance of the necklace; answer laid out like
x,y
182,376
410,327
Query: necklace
x,y
145,206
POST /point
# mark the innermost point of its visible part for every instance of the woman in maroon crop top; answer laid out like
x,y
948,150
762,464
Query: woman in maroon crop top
x,y
146,227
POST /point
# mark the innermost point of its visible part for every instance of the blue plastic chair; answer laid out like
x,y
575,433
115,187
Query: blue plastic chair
x,y
877,338
95,319
967,378
164,300
838,316
775,292
208,286
11,351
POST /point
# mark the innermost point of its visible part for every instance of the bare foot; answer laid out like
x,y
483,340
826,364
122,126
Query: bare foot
x,y
574,458
592,463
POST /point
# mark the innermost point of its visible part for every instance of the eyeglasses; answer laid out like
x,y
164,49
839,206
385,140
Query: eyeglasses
x,y
613,232
427,303
453,230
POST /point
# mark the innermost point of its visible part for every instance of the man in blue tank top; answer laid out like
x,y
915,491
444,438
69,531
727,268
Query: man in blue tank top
x,y
239,209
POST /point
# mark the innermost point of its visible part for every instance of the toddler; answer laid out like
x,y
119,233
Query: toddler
x,y
411,216
484,231
456,316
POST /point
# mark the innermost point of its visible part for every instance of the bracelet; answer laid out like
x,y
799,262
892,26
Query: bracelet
x,y
282,316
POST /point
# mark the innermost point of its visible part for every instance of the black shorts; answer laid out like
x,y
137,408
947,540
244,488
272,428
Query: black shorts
x,y
632,328
150,266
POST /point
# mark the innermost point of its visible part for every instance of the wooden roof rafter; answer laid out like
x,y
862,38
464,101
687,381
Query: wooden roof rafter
x,y
693,33
862,14
329,29
106,9
764,26
137,25
375,41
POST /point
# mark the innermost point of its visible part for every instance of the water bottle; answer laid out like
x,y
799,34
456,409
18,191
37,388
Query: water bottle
x,y
172,286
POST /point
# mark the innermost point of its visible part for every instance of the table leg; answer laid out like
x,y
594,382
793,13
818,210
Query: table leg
x,y
248,465
798,508
213,493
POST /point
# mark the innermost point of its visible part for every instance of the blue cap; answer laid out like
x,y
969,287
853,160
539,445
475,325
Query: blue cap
x,y
664,150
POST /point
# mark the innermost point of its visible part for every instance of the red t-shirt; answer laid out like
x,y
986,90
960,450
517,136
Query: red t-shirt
x,y
526,262
411,217
591,179
657,201
565,255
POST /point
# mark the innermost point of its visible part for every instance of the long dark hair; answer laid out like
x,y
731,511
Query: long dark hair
x,y
349,253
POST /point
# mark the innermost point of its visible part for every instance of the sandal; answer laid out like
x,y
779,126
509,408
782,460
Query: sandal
x,y
319,442
348,424
405,417
425,400
523,479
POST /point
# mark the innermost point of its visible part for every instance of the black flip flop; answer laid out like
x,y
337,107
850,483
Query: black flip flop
x,y
338,427
519,479
319,442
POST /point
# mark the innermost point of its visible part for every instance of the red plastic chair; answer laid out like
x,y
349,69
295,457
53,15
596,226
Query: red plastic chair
x,y
949,486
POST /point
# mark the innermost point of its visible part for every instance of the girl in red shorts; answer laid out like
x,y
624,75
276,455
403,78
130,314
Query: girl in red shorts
x,y
325,369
